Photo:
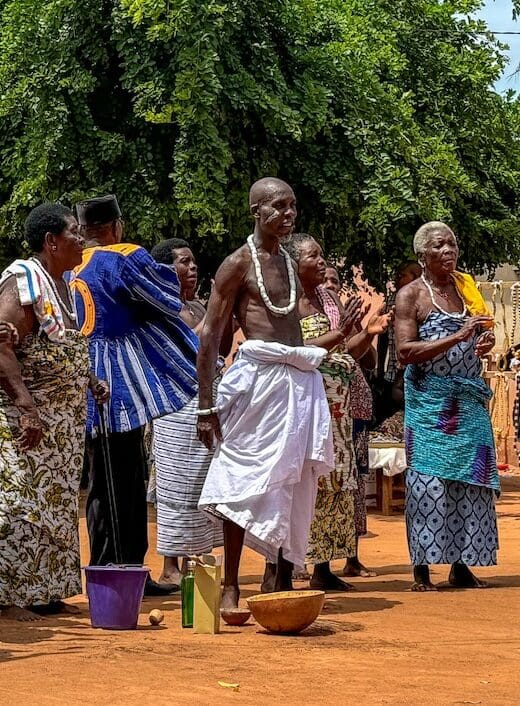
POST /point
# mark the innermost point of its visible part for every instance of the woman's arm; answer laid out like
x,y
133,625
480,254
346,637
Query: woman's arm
x,y
24,321
350,315
360,345
369,360
328,340
409,348
381,353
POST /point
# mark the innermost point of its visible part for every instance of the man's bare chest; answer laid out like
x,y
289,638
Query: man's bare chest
x,y
275,279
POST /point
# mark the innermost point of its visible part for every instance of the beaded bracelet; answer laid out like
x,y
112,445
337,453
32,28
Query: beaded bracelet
x,y
207,412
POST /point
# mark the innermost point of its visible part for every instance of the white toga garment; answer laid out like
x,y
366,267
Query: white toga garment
x,y
277,435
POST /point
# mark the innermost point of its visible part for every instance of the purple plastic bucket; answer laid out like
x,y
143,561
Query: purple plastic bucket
x,y
114,595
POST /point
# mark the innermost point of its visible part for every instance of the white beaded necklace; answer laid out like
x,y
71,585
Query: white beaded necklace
x,y
70,312
453,314
276,310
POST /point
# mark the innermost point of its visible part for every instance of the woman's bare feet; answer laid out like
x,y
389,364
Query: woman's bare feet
x,y
21,614
422,583
461,577
56,608
324,580
354,567
230,598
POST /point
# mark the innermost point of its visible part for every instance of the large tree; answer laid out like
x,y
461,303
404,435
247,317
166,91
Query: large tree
x,y
380,113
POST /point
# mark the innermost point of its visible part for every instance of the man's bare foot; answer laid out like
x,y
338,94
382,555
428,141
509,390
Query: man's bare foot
x,y
269,580
354,567
461,577
422,582
277,577
301,575
56,608
21,614
230,598
284,572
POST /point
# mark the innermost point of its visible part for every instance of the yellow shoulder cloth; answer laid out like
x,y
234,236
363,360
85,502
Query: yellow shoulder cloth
x,y
467,288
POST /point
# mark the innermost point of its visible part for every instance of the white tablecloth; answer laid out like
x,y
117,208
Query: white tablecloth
x,y
391,459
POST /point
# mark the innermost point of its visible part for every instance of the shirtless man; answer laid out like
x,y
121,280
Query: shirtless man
x,y
273,425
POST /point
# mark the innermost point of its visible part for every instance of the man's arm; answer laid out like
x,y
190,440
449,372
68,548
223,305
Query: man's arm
x,y
228,282
151,283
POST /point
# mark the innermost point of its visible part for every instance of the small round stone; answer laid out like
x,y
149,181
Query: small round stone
x,y
155,616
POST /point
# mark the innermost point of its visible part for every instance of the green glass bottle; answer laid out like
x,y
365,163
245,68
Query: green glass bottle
x,y
187,591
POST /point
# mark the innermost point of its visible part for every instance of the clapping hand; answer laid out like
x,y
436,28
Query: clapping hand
x,y
352,315
379,322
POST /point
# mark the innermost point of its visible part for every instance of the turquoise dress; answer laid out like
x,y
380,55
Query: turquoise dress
x,y
449,520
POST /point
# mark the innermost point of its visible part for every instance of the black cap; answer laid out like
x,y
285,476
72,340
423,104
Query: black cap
x,y
98,211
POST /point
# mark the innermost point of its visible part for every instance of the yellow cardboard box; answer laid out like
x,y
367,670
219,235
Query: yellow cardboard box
x,y
206,601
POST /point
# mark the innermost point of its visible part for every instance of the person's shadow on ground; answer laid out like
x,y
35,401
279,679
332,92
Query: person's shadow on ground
x,y
22,634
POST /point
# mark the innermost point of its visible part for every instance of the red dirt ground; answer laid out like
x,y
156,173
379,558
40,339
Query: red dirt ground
x,y
379,645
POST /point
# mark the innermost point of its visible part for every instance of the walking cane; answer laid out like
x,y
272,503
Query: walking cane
x,y
112,502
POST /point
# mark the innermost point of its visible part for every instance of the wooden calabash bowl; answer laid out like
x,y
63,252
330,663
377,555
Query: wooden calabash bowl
x,y
237,616
286,612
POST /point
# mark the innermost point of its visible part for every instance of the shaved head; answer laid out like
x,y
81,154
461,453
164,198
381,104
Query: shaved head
x,y
264,189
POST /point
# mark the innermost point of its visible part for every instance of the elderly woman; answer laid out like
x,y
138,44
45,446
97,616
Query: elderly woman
x,y
441,334
44,375
181,460
324,322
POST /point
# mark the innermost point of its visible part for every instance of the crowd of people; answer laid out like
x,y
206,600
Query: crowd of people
x,y
270,450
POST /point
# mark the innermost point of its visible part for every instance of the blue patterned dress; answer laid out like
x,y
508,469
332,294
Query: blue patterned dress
x,y
447,520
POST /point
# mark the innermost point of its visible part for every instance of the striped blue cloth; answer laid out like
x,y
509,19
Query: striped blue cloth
x,y
128,306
